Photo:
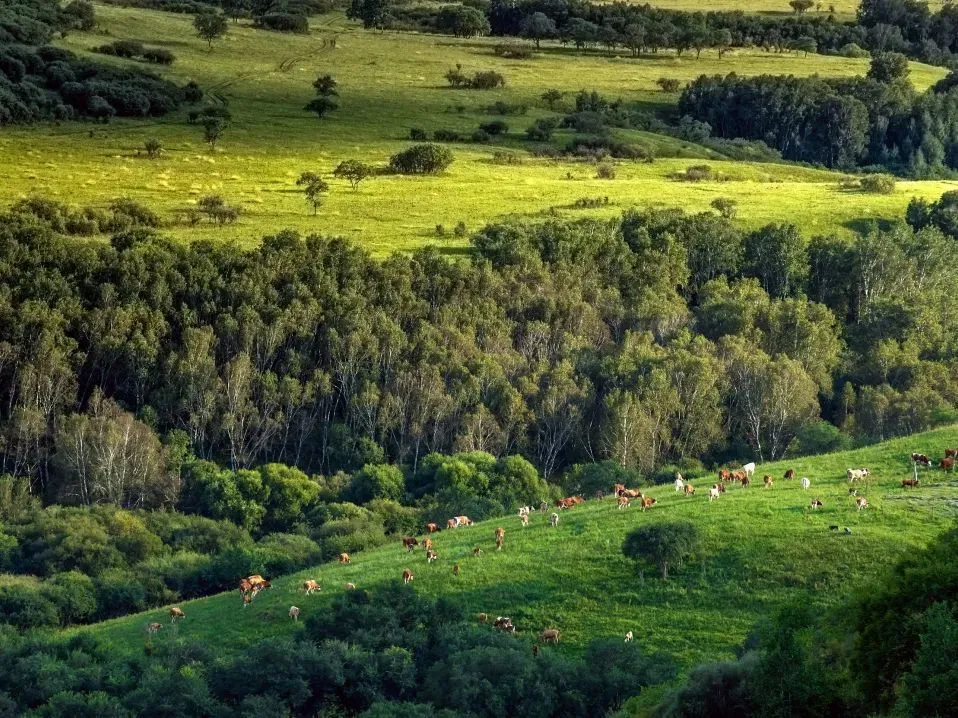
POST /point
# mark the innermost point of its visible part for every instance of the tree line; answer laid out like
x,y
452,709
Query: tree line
x,y
866,121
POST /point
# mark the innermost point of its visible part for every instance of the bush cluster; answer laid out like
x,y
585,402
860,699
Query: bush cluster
x,y
421,159
132,49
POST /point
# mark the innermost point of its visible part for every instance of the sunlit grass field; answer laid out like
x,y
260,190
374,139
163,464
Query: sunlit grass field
x,y
762,549
389,83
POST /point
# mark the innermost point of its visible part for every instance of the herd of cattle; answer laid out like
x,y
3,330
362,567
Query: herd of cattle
x,y
251,586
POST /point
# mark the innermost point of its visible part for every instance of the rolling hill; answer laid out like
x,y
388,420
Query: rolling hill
x,y
763,548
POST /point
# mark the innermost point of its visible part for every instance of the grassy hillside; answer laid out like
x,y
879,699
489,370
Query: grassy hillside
x,y
762,549
389,83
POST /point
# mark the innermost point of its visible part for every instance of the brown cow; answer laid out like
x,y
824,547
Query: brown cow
x,y
768,481
739,475
464,521
407,576
427,544
500,538
245,586
255,580
431,556
721,488
483,618
247,599
550,635
153,627
294,613
951,453
452,523
790,474
455,570
309,585
689,490
616,488
724,474
504,623
947,463
861,502
176,613
410,543
631,493
344,558
745,482
647,503
524,519
623,502
261,586
477,552
432,528
909,482
921,459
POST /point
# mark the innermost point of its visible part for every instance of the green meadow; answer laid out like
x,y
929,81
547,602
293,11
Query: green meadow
x,y
388,84
762,549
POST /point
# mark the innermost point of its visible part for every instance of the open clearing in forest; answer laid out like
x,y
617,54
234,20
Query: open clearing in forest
x,y
762,549
389,83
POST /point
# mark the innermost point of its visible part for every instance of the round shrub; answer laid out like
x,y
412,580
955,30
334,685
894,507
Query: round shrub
x,y
878,184
496,127
421,159
853,50
605,171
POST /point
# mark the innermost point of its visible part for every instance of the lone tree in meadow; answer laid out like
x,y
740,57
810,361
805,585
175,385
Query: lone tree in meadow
x,y
806,44
538,27
210,26
802,6
213,129
887,67
153,148
326,91
665,545
353,171
314,187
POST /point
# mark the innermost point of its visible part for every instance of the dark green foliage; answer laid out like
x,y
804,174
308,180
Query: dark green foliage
x,y
496,127
282,22
210,26
421,159
663,545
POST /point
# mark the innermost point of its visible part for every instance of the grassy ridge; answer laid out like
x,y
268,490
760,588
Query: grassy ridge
x,y
762,549
390,82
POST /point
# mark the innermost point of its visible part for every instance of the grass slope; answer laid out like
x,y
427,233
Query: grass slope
x,y
390,82
762,549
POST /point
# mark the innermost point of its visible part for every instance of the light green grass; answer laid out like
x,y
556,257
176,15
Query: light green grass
x,y
390,82
845,9
762,549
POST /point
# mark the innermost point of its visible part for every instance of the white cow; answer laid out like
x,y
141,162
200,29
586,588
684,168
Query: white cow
x,y
861,502
805,482
749,468
679,483
856,474
713,494
628,637
554,520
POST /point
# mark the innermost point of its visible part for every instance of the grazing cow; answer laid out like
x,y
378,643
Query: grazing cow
x,y
455,570
856,474
951,453
648,503
921,459
805,482
679,482
431,556
739,475
554,520
452,523
247,599
350,586
628,637
749,468
631,493
255,580
464,521
427,544
544,506
477,552
407,576
483,618
410,543
153,627
294,613
853,492
550,635
524,519
724,475
309,585
721,488
909,482
432,528
261,586
500,537
344,558
790,474
745,482
817,504
947,464
617,488
525,510
623,502
176,613
245,586
713,493
767,479
861,502
504,623
689,490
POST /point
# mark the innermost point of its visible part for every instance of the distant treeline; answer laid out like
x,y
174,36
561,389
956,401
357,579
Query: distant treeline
x,y
874,120
39,82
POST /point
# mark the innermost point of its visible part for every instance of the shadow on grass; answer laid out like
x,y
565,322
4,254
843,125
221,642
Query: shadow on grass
x,y
862,225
